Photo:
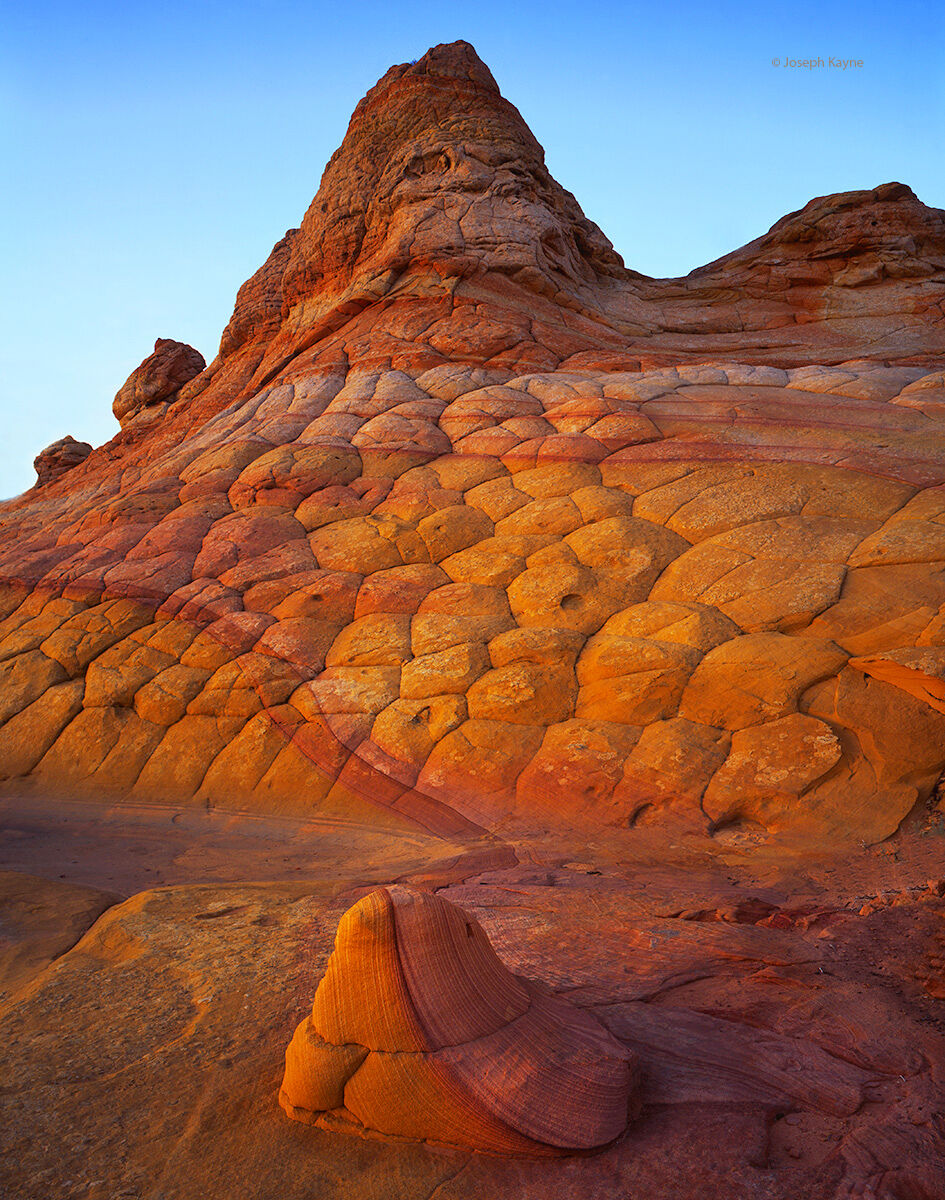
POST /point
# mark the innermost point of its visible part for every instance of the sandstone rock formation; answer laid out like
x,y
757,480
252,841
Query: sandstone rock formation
x,y
58,458
786,1025
158,379
41,920
418,1030
466,524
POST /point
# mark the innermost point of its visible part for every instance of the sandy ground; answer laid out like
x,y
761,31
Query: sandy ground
x,y
128,848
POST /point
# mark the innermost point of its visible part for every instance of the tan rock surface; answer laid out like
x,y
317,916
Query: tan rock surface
x,y
42,920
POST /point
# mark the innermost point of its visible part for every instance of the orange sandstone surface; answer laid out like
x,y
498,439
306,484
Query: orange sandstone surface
x,y
611,607
418,1029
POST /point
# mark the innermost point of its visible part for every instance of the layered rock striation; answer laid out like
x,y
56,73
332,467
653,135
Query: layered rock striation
x,y
788,1047
467,523
418,1030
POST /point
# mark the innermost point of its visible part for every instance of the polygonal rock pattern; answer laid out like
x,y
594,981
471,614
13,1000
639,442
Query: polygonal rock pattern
x,y
459,528
473,629
418,1030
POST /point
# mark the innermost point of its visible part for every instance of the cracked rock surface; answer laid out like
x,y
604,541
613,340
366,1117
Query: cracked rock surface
x,y
468,525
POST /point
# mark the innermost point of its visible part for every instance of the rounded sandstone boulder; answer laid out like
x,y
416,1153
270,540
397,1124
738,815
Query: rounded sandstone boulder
x,y
419,1030
158,379
58,458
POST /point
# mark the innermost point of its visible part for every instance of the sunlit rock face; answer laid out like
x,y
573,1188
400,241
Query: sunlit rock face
x,y
437,165
418,1030
468,525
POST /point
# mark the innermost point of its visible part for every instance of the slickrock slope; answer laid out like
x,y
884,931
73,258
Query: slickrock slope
x,y
467,525
41,921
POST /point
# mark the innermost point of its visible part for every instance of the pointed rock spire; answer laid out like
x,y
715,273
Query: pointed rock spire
x,y
436,164
437,172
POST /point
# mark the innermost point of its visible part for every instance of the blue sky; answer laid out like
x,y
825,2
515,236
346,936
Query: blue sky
x,y
155,153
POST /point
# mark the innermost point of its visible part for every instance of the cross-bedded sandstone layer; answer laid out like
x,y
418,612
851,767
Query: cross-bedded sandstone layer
x,y
468,524
419,1030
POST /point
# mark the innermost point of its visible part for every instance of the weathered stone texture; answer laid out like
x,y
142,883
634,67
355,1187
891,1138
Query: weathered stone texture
x,y
466,522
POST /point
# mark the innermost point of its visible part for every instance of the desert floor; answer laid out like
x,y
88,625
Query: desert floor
x,y
786,1002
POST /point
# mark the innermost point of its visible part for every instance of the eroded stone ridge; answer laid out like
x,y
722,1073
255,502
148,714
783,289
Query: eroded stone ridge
x,y
418,1030
437,232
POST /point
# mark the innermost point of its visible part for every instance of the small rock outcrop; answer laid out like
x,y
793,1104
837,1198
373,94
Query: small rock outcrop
x,y
158,379
58,458
419,1031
